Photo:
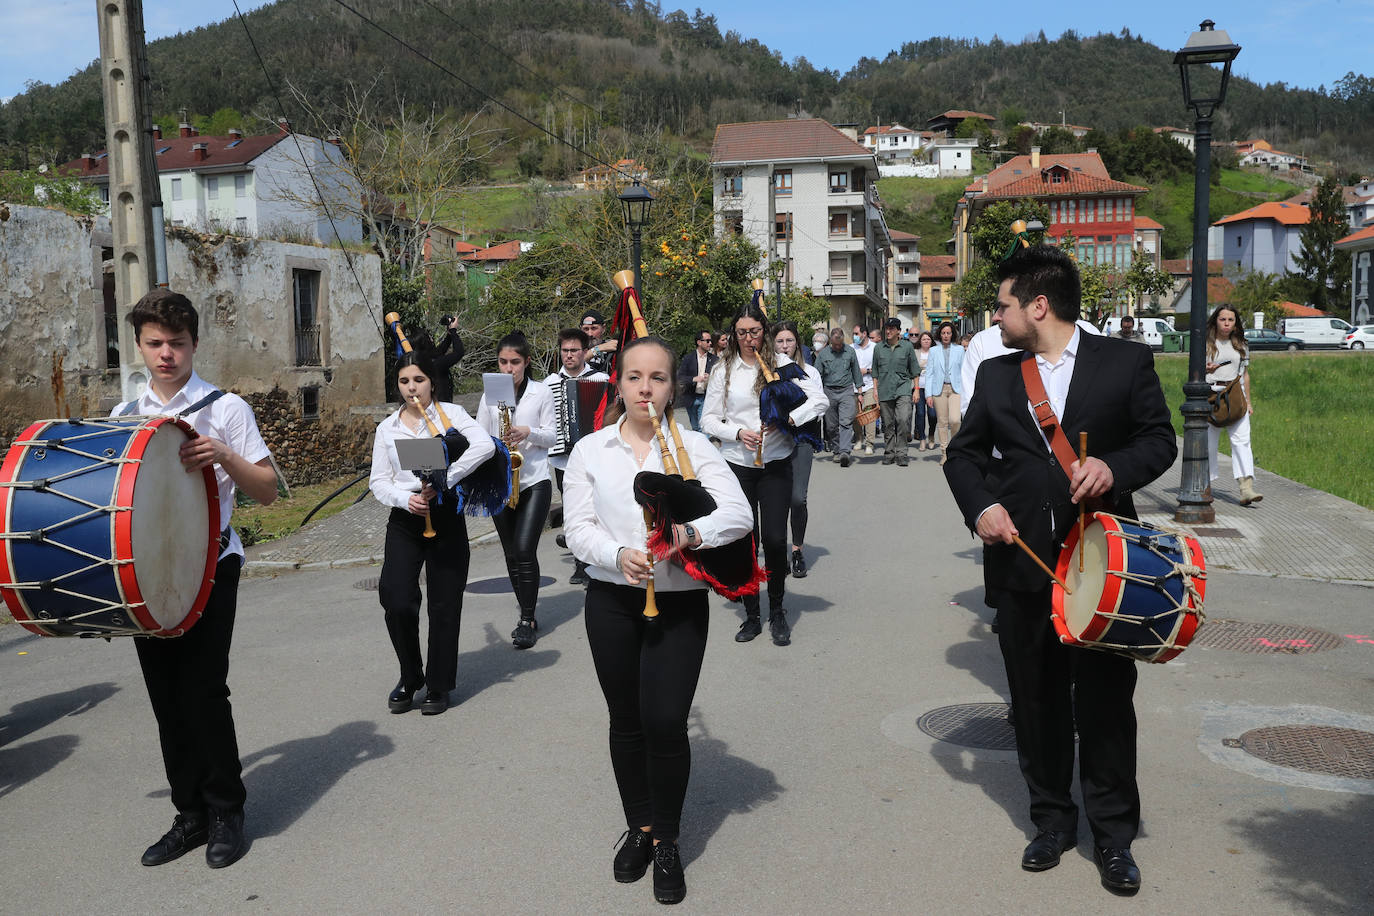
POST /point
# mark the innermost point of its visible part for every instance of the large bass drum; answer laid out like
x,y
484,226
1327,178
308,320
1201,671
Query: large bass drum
x,y
105,533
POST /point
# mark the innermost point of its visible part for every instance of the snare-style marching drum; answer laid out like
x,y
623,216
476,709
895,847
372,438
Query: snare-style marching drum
x,y
105,533
1140,592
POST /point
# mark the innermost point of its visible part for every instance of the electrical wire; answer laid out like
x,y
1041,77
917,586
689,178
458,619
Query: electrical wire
x,y
324,204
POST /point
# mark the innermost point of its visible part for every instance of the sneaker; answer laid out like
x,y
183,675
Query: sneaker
x,y
749,629
798,564
902,461
633,858
868,449
226,842
889,459
524,635
670,885
778,628
844,460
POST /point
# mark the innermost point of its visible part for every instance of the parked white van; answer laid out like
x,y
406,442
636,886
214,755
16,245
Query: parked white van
x,y
1152,329
1316,332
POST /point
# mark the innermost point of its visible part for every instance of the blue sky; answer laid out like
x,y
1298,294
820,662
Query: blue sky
x,y
1300,42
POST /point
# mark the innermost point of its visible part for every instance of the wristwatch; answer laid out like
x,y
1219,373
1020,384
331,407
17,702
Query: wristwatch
x,y
690,533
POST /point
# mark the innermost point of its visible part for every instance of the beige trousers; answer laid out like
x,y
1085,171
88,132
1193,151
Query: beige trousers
x,y
947,417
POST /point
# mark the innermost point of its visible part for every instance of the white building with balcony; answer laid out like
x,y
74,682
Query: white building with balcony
x,y
904,279
804,193
891,142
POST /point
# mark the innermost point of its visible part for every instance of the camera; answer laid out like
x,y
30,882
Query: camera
x,y
446,320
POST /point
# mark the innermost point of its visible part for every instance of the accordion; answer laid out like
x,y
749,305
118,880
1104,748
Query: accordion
x,y
575,403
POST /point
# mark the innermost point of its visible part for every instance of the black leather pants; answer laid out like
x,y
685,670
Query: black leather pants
x,y
519,529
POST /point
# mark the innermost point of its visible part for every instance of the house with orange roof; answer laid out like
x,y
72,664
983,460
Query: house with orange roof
x,y
891,143
601,177
1360,244
1265,238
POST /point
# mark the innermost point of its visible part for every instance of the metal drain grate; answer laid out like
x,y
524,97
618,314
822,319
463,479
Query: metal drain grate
x,y
1312,749
368,585
1247,636
1217,533
978,725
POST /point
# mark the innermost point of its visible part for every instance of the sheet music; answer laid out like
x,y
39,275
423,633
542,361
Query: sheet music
x,y
498,387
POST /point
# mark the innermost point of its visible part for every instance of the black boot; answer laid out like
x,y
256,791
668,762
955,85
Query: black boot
x,y
633,858
750,628
670,885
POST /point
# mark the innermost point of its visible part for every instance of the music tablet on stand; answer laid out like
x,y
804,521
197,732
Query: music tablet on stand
x,y
421,455
499,388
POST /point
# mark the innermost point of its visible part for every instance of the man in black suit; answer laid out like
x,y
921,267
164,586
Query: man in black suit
x,y
1108,388
693,371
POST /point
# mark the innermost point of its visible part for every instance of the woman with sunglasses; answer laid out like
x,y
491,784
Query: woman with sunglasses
x,y
761,457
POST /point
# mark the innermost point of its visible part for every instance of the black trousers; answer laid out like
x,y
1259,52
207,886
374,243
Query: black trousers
x,y
187,680
648,674
1053,689
801,482
445,561
519,529
769,491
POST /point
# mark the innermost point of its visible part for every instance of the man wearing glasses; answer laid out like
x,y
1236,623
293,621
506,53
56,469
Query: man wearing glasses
x,y
598,350
572,356
692,374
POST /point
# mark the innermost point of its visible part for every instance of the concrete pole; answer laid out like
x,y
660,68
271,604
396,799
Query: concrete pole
x,y
133,173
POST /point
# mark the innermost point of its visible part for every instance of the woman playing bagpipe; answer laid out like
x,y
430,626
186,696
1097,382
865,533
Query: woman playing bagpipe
x,y
425,528
648,665
756,404
786,340
527,428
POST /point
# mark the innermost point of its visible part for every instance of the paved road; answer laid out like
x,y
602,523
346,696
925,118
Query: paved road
x,y
813,791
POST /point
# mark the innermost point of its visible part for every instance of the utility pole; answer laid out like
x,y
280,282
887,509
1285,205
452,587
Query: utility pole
x,y
140,259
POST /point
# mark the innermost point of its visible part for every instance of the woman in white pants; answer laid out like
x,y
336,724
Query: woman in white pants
x,y
1227,358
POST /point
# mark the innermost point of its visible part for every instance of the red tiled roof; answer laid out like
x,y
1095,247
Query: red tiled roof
x,y
958,114
1219,289
1364,235
1073,183
1176,130
178,155
1348,195
1144,222
506,251
795,138
937,267
889,129
900,236
465,247
1280,212
1019,167
1293,310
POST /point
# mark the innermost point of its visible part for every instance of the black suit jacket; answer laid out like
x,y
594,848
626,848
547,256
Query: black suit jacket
x,y
1115,395
686,369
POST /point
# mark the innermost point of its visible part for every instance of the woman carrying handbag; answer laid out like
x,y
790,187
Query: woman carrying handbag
x,y
1228,360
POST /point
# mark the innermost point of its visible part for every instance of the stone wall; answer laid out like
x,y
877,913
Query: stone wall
x,y
308,451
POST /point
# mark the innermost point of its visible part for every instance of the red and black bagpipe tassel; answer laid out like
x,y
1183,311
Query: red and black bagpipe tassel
x,y
629,324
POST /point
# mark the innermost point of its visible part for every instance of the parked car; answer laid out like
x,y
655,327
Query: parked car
x,y
1265,339
1317,332
1359,338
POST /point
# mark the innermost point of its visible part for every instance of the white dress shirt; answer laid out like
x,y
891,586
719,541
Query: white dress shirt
x,y
560,462
724,414
600,514
865,355
392,484
535,410
229,419
987,344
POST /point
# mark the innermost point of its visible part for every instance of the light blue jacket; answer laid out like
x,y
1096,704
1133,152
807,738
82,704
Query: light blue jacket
x,y
932,379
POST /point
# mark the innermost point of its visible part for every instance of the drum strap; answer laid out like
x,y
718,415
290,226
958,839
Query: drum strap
x,y
1045,416
203,403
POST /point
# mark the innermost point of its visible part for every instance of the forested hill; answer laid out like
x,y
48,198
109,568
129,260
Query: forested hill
x,y
643,71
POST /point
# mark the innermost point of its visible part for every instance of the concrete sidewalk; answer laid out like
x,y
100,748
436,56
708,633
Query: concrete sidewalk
x,y
818,782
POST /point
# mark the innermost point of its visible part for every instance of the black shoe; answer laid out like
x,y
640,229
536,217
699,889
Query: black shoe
x,y
778,628
888,459
436,701
798,564
902,461
561,541
188,832
400,698
579,576
749,629
844,460
670,885
1044,851
226,844
633,858
1120,875
524,635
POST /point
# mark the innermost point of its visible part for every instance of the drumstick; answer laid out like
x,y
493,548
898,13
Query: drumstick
x,y
1041,563
1082,506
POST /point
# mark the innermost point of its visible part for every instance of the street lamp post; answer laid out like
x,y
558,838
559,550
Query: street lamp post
x,y
636,201
1204,89
779,268
826,289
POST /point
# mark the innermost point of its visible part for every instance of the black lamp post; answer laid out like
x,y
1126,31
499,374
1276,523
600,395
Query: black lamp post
x,y
779,268
636,201
826,289
1204,89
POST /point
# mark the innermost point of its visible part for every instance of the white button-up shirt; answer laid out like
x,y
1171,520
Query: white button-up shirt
x,y
724,414
535,410
865,355
393,485
229,419
600,514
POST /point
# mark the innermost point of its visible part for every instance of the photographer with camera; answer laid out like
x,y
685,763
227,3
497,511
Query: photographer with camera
x,y
446,356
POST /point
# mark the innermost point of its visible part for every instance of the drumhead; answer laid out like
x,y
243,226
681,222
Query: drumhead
x,y
1087,586
171,528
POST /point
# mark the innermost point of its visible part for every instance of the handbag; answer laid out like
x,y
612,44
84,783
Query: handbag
x,y
1228,405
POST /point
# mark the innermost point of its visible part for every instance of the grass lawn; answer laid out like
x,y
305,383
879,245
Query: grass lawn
x,y
924,206
1313,419
483,212
1257,182
267,523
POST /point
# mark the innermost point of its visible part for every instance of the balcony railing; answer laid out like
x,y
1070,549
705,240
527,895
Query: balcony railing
x,y
907,299
308,345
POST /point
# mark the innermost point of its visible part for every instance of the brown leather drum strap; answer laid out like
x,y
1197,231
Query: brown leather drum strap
x,y
1045,416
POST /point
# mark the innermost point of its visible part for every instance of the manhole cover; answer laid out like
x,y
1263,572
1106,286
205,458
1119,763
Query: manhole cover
x,y
368,585
1312,749
1218,532
979,725
1245,636
500,584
